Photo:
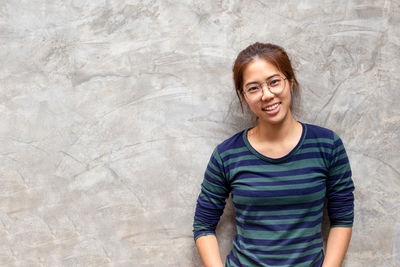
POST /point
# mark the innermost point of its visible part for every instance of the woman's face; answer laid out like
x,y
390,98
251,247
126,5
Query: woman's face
x,y
269,108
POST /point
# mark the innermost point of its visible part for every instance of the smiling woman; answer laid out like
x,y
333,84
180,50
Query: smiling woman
x,y
279,173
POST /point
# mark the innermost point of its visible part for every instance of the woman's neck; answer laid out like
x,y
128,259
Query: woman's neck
x,y
266,132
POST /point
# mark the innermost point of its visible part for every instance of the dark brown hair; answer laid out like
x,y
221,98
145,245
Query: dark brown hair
x,y
273,54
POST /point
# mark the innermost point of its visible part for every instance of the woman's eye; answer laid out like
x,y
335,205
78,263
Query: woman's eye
x,y
274,82
252,89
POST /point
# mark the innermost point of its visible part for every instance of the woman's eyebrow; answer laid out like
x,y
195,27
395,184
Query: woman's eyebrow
x,y
254,82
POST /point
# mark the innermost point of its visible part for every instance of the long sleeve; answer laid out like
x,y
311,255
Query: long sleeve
x,y
211,200
340,187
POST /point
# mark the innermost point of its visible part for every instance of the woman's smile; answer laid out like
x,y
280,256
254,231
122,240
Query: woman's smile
x,y
271,107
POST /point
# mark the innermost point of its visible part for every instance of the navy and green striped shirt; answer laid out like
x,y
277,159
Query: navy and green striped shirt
x,y
278,202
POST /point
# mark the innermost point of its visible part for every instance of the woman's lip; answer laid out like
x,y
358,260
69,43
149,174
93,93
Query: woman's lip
x,y
266,107
273,111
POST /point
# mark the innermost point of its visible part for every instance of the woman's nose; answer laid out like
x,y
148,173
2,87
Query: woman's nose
x,y
266,92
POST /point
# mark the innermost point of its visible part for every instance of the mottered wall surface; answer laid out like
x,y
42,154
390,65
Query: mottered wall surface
x,y
110,111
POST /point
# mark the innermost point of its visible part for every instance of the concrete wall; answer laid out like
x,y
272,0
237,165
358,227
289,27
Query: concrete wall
x,y
110,111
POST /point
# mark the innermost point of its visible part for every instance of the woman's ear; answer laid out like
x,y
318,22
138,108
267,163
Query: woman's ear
x,y
245,100
291,82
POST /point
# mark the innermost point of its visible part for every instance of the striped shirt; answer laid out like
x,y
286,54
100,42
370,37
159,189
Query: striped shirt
x,y
278,202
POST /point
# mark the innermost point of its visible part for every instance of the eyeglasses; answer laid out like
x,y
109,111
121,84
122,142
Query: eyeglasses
x,y
275,84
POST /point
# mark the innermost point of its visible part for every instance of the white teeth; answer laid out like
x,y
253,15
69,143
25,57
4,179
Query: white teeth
x,y
272,107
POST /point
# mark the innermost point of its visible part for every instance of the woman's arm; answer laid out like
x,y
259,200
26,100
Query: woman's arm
x,y
210,205
340,206
209,251
338,242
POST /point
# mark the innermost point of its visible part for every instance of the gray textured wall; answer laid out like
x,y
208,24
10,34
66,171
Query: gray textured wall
x,y
111,109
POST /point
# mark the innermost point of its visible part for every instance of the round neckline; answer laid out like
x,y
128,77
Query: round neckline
x,y
287,156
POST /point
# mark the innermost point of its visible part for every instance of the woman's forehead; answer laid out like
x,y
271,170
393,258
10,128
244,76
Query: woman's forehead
x,y
260,68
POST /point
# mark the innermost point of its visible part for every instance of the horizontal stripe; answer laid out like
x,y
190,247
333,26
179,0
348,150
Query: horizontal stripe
x,y
284,185
278,227
278,206
279,242
292,167
276,235
261,171
263,194
280,219
277,213
234,152
278,247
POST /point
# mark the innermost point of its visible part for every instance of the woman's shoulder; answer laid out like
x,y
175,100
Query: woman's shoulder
x,y
316,131
234,142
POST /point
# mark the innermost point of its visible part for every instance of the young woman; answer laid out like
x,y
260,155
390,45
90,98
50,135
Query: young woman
x,y
279,174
